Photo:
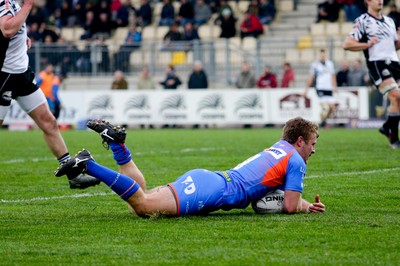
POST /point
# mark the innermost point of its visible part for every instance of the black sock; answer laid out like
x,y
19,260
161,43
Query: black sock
x,y
393,124
64,158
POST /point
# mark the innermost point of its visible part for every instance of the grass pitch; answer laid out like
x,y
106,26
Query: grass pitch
x,y
43,222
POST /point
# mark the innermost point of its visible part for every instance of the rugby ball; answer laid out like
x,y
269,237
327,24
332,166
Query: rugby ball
x,y
270,203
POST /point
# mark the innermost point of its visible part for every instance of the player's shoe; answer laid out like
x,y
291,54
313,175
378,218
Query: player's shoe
x,y
107,131
395,145
75,167
82,181
385,132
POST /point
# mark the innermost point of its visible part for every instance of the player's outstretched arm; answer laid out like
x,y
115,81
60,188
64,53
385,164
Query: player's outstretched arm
x,y
10,25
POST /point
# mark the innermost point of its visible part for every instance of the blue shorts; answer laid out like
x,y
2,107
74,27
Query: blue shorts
x,y
198,191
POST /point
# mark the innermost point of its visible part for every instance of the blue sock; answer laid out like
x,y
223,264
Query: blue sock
x,y
121,184
122,154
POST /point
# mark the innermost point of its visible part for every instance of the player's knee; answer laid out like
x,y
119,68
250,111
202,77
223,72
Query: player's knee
x,y
47,122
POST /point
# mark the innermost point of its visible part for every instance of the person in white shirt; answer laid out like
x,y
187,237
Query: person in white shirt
x,y
323,78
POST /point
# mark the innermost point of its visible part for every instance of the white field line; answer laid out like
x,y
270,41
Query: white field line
x,y
87,195
45,159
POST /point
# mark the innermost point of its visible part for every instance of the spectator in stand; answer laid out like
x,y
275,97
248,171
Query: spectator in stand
x,y
394,14
89,26
253,7
145,81
33,32
45,31
120,16
266,11
172,81
350,8
70,56
67,17
246,79
198,78
288,76
342,76
172,38
167,16
224,5
103,6
214,5
186,12
144,16
36,15
267,79
131,43
103,26
190,32
227,22
328,11
358,76
202,13
79,10
251,26
119,82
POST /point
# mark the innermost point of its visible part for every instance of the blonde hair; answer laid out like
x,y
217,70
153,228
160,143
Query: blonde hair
x,y
299,127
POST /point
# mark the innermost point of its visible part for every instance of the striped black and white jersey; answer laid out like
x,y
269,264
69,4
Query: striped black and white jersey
x,y
13,51
366,26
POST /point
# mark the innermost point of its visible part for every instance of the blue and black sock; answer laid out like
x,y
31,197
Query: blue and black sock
x,y
121,184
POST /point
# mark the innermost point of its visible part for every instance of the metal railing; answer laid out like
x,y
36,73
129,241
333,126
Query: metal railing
x,y
221,58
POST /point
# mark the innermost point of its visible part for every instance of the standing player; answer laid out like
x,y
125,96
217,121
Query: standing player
x,y
375,35
322,74
199,191
17,82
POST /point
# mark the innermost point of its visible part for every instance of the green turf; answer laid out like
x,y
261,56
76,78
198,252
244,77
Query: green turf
x,y
43,222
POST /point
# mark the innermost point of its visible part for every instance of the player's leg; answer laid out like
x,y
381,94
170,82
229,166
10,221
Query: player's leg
x,y
35,105
160,200
391,125
114,138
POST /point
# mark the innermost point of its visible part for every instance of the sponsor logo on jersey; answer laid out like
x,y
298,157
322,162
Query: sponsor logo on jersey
x,y
276,152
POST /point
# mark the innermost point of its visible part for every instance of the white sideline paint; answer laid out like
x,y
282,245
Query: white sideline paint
x,y
46,159
87,195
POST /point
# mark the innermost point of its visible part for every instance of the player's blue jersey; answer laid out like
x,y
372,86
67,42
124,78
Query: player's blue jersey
x,y
280,166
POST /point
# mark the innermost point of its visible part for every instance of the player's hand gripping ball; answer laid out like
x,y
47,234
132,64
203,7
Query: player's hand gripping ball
x,y
270,203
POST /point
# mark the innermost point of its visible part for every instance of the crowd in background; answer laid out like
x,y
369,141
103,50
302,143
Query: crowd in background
x,y
99,18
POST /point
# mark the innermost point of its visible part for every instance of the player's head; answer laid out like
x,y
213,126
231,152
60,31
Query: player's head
x,y
302,134
376,5
299,127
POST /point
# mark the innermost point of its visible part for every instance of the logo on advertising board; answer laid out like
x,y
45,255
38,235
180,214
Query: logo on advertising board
x,y
138,107
211,107
249,107
347,105
173,107
101,107
295,104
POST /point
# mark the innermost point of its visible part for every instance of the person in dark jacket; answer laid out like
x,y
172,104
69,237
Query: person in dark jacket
x,y
198,78
172,81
